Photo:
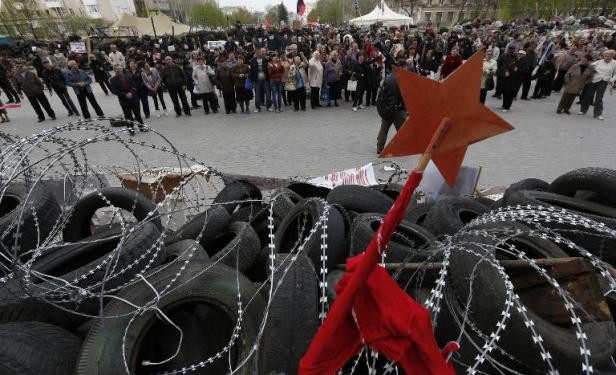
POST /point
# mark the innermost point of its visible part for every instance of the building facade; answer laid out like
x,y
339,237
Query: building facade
x,y
438,12
110,10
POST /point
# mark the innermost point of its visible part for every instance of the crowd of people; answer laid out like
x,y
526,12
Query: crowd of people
x,y
261,70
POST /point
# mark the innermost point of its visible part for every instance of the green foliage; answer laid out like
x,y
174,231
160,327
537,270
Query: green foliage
x,y
208,15
244,16
272,14
338,11
283,13
546,9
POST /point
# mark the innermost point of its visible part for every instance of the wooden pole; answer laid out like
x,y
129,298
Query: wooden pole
x,y
153,27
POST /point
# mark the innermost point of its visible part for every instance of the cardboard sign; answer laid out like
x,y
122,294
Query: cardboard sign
x,y
434,186
78,47
355,176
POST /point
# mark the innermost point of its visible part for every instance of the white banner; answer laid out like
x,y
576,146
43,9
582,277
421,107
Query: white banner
x,y
78,47
355,176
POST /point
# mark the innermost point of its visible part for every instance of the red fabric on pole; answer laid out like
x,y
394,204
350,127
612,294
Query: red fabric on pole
x,y
389,320
301,8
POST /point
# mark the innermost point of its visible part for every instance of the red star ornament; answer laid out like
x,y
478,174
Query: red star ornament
x,y
428,102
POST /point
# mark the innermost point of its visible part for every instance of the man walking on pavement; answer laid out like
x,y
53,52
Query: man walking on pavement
x,y
390,107
125,88
28,83
55,81
174,79
81,82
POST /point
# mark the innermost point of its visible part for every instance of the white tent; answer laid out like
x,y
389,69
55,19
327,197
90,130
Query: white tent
x,y
386,16
143,26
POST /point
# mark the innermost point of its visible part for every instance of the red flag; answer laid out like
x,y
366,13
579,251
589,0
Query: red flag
x,y
267,23
301,7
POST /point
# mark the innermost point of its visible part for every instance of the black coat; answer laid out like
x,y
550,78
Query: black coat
x,y
361,73
100,71
173,77
121,90
389,101
54,78
254,69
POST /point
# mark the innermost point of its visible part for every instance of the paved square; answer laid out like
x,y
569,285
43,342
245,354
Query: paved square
x,y
316,142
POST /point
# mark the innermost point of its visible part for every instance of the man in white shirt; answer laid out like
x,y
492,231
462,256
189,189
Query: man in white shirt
x,y
605,74
116,57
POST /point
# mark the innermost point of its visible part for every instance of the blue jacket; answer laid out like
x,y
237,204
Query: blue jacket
x,y
73,79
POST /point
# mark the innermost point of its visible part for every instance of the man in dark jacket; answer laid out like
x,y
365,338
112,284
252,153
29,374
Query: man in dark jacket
x,y
125,88
504,61
390,107
6,86
260,79
527,75
174,79
55,81
28,83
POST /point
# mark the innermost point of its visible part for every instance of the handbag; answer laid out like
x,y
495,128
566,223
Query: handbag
x,y
489,86
248,84
290,85
352,85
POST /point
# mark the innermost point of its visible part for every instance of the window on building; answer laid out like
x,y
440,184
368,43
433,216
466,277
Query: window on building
x,y
428,16
441,2
450,17
439,17
429,2
452,2
91,9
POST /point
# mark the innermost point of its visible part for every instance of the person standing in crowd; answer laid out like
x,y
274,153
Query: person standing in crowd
x,y
286,65
347,72
360,74
545,79
240,73
175,81
428,64
512,81
275,71
604,75
55,80
98,66
260,79
298,75
503,63
578,76
203,85
27,82
224,79
315,78
81,83
125,89
527,74
451,63
4,116
390,107
6,86
151,78
116,57
134,72
333,71
489,69
563,61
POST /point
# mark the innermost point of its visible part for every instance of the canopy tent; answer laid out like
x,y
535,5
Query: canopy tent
x,y
143,26
386,16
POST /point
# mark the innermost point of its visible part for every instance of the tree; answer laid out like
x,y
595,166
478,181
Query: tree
x,y
271,13
21,17
244,16
283,13
208,15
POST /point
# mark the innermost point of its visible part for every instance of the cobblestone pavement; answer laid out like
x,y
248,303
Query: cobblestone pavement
x,y
313,143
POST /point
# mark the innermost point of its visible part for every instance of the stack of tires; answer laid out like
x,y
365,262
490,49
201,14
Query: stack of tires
x,y
243,286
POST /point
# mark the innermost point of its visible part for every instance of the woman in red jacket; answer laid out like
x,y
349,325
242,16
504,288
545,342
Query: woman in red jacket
x,y
451,63
275,70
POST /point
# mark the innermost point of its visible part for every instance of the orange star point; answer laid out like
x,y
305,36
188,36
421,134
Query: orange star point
x,y
429,102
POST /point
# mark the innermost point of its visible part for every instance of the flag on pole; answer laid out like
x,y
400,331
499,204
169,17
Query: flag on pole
x,y
301,7
382,5
267,23
356,7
